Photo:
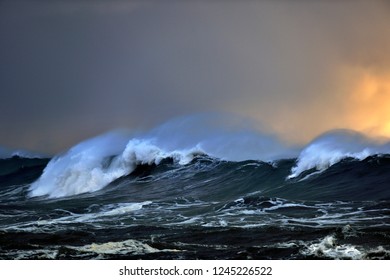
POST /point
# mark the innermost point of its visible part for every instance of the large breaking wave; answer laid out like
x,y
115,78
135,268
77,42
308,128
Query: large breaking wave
x,y
94,163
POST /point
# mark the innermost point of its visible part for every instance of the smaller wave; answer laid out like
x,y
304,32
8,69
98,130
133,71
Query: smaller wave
x,y
5,153
332,147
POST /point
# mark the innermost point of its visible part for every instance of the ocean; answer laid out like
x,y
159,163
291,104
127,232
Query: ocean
x,y
121,197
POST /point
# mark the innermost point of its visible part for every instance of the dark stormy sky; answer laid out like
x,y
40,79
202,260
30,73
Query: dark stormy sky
x,y
74,69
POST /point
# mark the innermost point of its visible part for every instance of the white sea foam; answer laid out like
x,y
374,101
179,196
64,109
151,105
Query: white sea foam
x,y
335,146
119,248
330,248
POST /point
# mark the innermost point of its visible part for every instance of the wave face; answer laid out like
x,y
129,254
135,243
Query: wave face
x,y
162,195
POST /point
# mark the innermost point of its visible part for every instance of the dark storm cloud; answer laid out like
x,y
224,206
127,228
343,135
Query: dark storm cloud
x,y
73,69
85,67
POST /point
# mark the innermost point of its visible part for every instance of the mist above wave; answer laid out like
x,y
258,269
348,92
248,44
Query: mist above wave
x,y
223,136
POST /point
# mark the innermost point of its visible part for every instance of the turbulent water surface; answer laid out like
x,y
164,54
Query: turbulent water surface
x,y
134,199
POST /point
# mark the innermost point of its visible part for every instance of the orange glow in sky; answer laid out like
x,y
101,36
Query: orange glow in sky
x,y
370,105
